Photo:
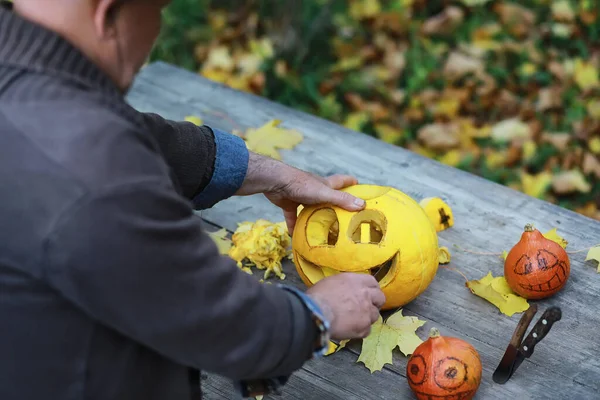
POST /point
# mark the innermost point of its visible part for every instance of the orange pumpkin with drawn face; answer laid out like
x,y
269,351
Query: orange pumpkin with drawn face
x,y
444,368
536,267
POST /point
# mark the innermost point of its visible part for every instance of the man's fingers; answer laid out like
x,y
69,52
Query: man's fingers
x,y
290,220
341,199
374,314
341,181
378,298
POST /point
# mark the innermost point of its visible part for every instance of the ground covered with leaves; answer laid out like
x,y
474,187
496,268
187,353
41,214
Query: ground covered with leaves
x,y
507,90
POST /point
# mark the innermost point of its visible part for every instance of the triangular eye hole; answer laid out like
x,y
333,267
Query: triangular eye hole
x,y
367,226
322,228
546,260
523,265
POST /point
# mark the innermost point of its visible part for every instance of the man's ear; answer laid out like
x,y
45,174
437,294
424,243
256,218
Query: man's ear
x,y
104,16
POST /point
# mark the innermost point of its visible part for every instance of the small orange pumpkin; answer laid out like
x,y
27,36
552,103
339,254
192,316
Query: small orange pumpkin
x,y
536,267
444,367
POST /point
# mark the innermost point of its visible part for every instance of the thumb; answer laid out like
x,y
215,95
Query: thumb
x,y
342,199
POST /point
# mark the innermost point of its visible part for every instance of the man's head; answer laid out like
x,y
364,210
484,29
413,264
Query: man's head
x,y
117,35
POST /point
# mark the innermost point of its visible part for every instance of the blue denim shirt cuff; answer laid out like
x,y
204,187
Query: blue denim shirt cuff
x,y
231,165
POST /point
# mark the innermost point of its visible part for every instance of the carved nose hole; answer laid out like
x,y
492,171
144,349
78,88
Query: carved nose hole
x,y
367,232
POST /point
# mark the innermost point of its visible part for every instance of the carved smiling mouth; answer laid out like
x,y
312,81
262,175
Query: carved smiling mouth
x,y
380,272
555,282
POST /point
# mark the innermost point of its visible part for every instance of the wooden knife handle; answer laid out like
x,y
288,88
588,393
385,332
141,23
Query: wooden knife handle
x,y
540,330
523,325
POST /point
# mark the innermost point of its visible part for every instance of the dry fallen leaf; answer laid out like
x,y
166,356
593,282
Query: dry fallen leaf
x,y
459,64
570,182
496,291
269,137
221,240
444,255
439,136
518,19
591,165
558,140
510,129
445,22
562,10
594,254
263,244
396,331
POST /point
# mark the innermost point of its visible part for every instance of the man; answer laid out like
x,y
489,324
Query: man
x,y
109,288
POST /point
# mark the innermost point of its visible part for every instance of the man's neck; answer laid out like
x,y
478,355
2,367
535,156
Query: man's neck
x,y
75,26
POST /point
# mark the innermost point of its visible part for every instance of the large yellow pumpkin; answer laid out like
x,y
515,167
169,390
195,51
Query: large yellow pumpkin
x,y
392,238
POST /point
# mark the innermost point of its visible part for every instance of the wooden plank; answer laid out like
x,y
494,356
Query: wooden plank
x,y
338,378
489,218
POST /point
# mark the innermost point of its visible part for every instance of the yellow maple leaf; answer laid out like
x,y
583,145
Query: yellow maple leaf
x,y
396,331
504,254
529,150
495,159
585,75
356,120
263,244
528,69
496,291
193,119
269,137
593,108
447,106
221,240
332,348
536,185
452,158
553,235
388,133
360,9
473,3
594,145
594,254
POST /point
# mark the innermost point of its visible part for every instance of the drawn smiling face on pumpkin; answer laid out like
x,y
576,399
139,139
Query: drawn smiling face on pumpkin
x,y
392,239
541,274
433,375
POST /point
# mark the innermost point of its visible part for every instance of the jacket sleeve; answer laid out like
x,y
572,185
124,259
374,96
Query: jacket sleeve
x,y
135,258
210,165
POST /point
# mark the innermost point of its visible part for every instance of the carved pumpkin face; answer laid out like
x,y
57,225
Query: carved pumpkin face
x,y
536,267
392,238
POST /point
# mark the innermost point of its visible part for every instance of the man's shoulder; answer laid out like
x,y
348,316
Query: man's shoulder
x,y
90,138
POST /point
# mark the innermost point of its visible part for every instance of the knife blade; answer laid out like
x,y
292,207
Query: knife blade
x,y
507,365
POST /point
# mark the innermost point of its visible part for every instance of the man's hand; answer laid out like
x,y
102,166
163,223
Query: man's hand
x,y
288,187
350,302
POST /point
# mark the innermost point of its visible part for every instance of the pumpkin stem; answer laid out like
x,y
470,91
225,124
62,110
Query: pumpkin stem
x,y
434,332
529,228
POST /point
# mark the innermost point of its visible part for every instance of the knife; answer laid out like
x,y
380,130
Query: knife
x,y
518,350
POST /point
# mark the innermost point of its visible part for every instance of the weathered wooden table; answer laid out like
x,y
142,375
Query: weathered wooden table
x,y
489,218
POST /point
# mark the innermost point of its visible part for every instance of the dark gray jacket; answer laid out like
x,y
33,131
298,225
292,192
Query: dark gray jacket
x,y
109,288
